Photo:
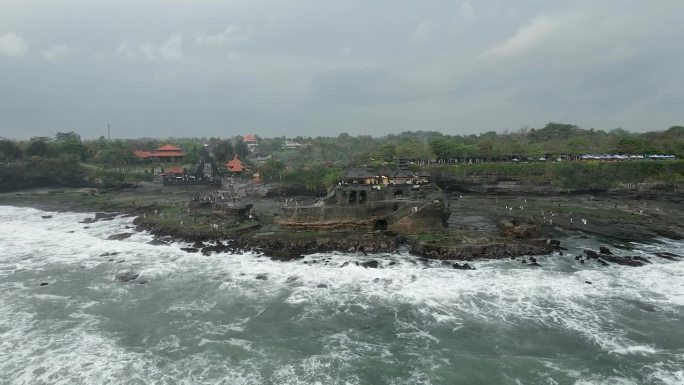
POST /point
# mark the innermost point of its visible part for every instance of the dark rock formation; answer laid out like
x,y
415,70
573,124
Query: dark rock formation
x,y
625,261
127,276
515,229
489,251
100,217
370,264
464,266
668,256
591,254
118,237
291,279
157,242
642,259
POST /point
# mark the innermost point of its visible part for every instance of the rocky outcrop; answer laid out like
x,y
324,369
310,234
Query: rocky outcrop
x,y
283,249
668,256
100,217
604,258
513,228
488,251
370,264
127,276
118,237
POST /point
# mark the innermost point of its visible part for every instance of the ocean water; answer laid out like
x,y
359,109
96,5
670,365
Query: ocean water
x,y
209,320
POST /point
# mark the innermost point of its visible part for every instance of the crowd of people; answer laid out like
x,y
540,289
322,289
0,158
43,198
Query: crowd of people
x,y
216,196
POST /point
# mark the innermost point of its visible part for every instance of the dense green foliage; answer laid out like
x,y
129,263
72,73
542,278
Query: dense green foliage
x,y
573,175
317,162
65,171
552,140
317,178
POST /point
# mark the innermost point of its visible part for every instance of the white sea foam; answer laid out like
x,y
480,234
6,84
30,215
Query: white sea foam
x,y
636,349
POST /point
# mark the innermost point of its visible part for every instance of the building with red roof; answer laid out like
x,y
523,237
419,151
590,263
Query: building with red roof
x,y
251,142
236,166
167,153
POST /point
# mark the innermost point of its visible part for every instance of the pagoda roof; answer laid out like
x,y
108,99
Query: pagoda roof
x,y
167,150
236,164
169,147
142,154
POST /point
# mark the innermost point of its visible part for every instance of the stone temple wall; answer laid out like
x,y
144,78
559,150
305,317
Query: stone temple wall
x,y
354,195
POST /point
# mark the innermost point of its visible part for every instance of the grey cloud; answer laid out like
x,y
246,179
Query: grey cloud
x,y
365,87
57,51
229,35
171,49
306,67
12,45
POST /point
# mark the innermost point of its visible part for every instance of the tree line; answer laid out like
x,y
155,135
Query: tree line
x,y
528,143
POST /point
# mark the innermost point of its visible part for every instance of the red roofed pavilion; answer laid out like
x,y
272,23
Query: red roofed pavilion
x,y
167,153
235,165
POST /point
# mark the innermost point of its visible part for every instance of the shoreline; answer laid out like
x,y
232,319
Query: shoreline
x,y
484,226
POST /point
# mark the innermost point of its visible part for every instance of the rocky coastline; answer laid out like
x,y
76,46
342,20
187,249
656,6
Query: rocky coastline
x,y
281,246
483,226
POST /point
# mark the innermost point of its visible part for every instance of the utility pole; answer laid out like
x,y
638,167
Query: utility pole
x,y
109,137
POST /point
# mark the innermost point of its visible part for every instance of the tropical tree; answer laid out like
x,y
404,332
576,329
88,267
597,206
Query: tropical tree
x,y
9,151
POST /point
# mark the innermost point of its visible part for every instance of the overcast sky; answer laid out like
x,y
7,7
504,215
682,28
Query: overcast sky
x,y
314,67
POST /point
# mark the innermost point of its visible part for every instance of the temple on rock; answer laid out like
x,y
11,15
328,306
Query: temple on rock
x,y
398,200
